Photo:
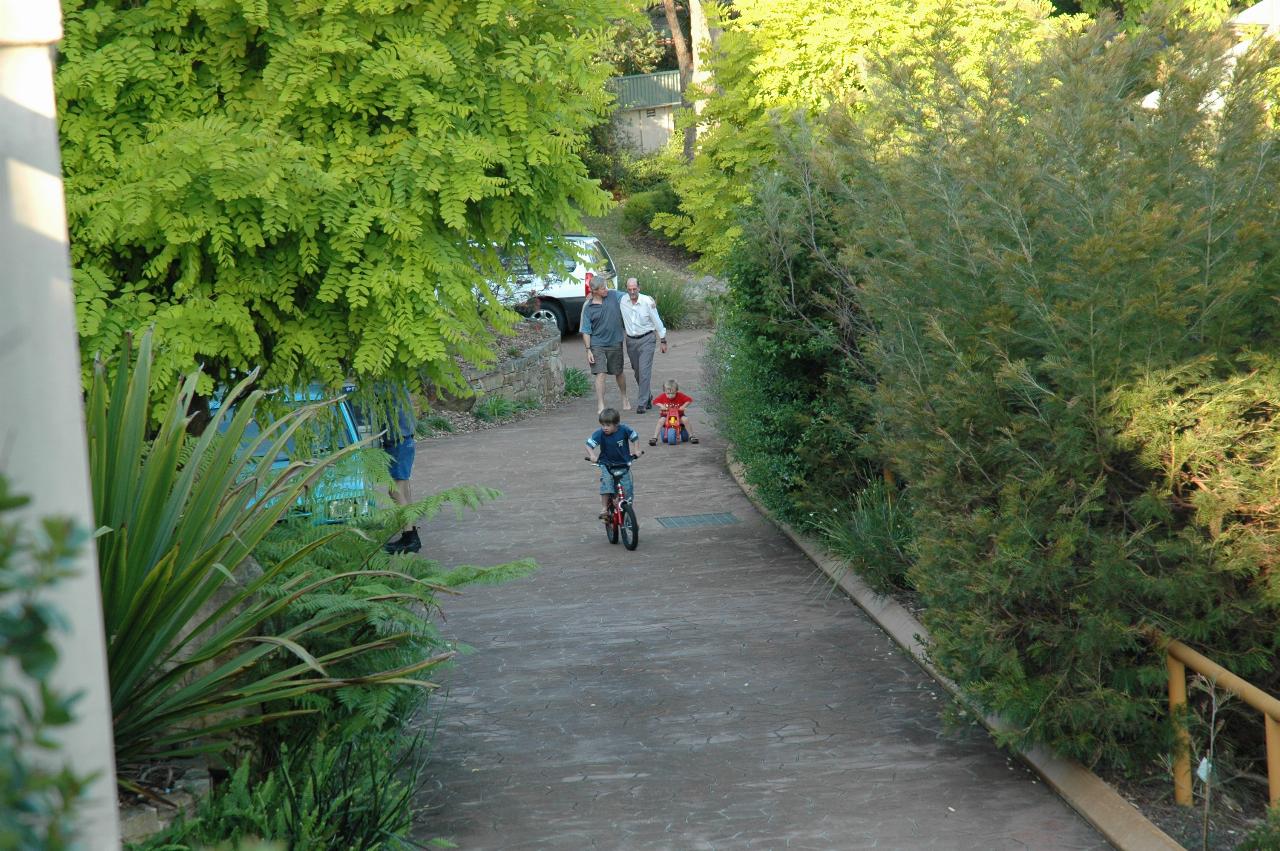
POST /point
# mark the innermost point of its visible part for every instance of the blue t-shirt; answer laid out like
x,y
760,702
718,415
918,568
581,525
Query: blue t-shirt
x,y
614,450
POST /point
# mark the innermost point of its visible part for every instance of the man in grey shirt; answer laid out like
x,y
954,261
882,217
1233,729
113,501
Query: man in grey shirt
x,y
602,334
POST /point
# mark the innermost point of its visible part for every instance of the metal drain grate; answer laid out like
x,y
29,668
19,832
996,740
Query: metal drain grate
x,y
725,519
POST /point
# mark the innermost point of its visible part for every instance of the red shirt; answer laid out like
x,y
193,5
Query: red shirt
x,y
665,401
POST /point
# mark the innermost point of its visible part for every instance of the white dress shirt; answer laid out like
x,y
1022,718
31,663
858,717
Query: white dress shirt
x,y
641,317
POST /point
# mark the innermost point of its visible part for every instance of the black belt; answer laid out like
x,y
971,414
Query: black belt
x,y
639,336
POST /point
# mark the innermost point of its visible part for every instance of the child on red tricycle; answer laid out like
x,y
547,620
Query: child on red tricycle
x,y
672,426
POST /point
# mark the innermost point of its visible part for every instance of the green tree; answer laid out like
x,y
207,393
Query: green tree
x,y
779,59
310,187
634,47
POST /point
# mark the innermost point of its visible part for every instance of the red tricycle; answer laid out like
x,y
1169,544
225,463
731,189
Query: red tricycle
x,y
670,428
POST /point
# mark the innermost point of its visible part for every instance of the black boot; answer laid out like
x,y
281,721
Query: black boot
x,y
405,542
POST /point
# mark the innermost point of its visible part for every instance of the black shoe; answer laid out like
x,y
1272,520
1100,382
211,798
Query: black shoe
x,y
406,542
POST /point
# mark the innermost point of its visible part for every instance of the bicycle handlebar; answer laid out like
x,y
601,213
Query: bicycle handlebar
x,y
600,463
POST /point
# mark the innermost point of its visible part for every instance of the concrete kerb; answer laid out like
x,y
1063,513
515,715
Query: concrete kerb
x,y
1098,803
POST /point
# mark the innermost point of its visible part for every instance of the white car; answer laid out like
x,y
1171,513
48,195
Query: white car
x,y
558,294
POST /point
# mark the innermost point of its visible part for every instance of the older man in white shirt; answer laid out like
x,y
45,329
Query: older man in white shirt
x,y
644,330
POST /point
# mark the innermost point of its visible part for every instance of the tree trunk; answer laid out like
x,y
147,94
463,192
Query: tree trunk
x,y
684,57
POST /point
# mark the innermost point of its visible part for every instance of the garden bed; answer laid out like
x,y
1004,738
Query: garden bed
x,y
527,378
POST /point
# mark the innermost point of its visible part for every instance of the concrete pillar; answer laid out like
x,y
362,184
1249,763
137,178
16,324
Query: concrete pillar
x,y
42,435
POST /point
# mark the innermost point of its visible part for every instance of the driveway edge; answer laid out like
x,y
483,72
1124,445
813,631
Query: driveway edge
x,y
1097,802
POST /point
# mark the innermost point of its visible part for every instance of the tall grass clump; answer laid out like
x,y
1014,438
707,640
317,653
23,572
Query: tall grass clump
x,y
678,304
872,535
576,382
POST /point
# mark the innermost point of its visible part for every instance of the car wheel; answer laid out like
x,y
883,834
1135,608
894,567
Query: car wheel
x,y
551,313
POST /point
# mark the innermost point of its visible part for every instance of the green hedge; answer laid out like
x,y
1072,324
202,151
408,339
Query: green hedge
x,y
1068,316
786,391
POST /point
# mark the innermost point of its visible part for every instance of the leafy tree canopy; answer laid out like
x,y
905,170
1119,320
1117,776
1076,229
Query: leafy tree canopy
x,y
776,58
635,48
311,186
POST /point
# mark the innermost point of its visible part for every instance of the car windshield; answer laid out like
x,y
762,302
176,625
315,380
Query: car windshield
x,y
325,433
596,256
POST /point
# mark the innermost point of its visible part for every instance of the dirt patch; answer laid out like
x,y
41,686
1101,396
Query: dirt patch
x,y
440,423
1237,808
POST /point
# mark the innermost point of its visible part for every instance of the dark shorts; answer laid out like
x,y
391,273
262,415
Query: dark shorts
x,y
401,465
608,360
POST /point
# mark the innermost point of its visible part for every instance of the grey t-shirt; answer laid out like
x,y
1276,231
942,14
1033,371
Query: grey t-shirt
x,y
604,321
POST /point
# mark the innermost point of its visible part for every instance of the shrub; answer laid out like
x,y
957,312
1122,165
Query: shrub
x,y
788,386
677,305
576,382
638,212
181,516
609,159
344,774
335,789
1074,334
1266,836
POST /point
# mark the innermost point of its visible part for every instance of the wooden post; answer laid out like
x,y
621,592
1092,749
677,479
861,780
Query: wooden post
x,y
1273,758
43,451
1182,739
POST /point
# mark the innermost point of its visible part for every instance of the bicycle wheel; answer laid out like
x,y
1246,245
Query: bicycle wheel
x,y
610,526
630,528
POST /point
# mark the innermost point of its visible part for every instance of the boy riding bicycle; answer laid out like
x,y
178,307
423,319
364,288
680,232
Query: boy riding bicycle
x,y
611,445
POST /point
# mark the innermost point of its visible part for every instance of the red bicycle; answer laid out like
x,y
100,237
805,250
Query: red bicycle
x,y
619,517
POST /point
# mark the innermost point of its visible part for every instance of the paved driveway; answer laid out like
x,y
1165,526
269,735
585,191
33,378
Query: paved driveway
x,y
705,691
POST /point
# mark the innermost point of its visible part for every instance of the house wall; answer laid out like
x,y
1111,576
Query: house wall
x,y
646,130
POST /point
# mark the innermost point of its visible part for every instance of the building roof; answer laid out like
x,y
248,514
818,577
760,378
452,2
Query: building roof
x,y
645,91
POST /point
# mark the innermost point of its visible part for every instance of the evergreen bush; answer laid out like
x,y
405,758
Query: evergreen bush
x,y
638,212
1076,329
788,388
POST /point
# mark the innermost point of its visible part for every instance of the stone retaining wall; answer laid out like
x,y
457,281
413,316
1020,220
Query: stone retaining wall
x,y
537,375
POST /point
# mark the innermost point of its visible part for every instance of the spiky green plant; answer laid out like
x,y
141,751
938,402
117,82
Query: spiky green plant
x,y
185,616
576,382
492,408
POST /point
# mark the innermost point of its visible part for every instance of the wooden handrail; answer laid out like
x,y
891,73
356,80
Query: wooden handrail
x,y
1179,657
